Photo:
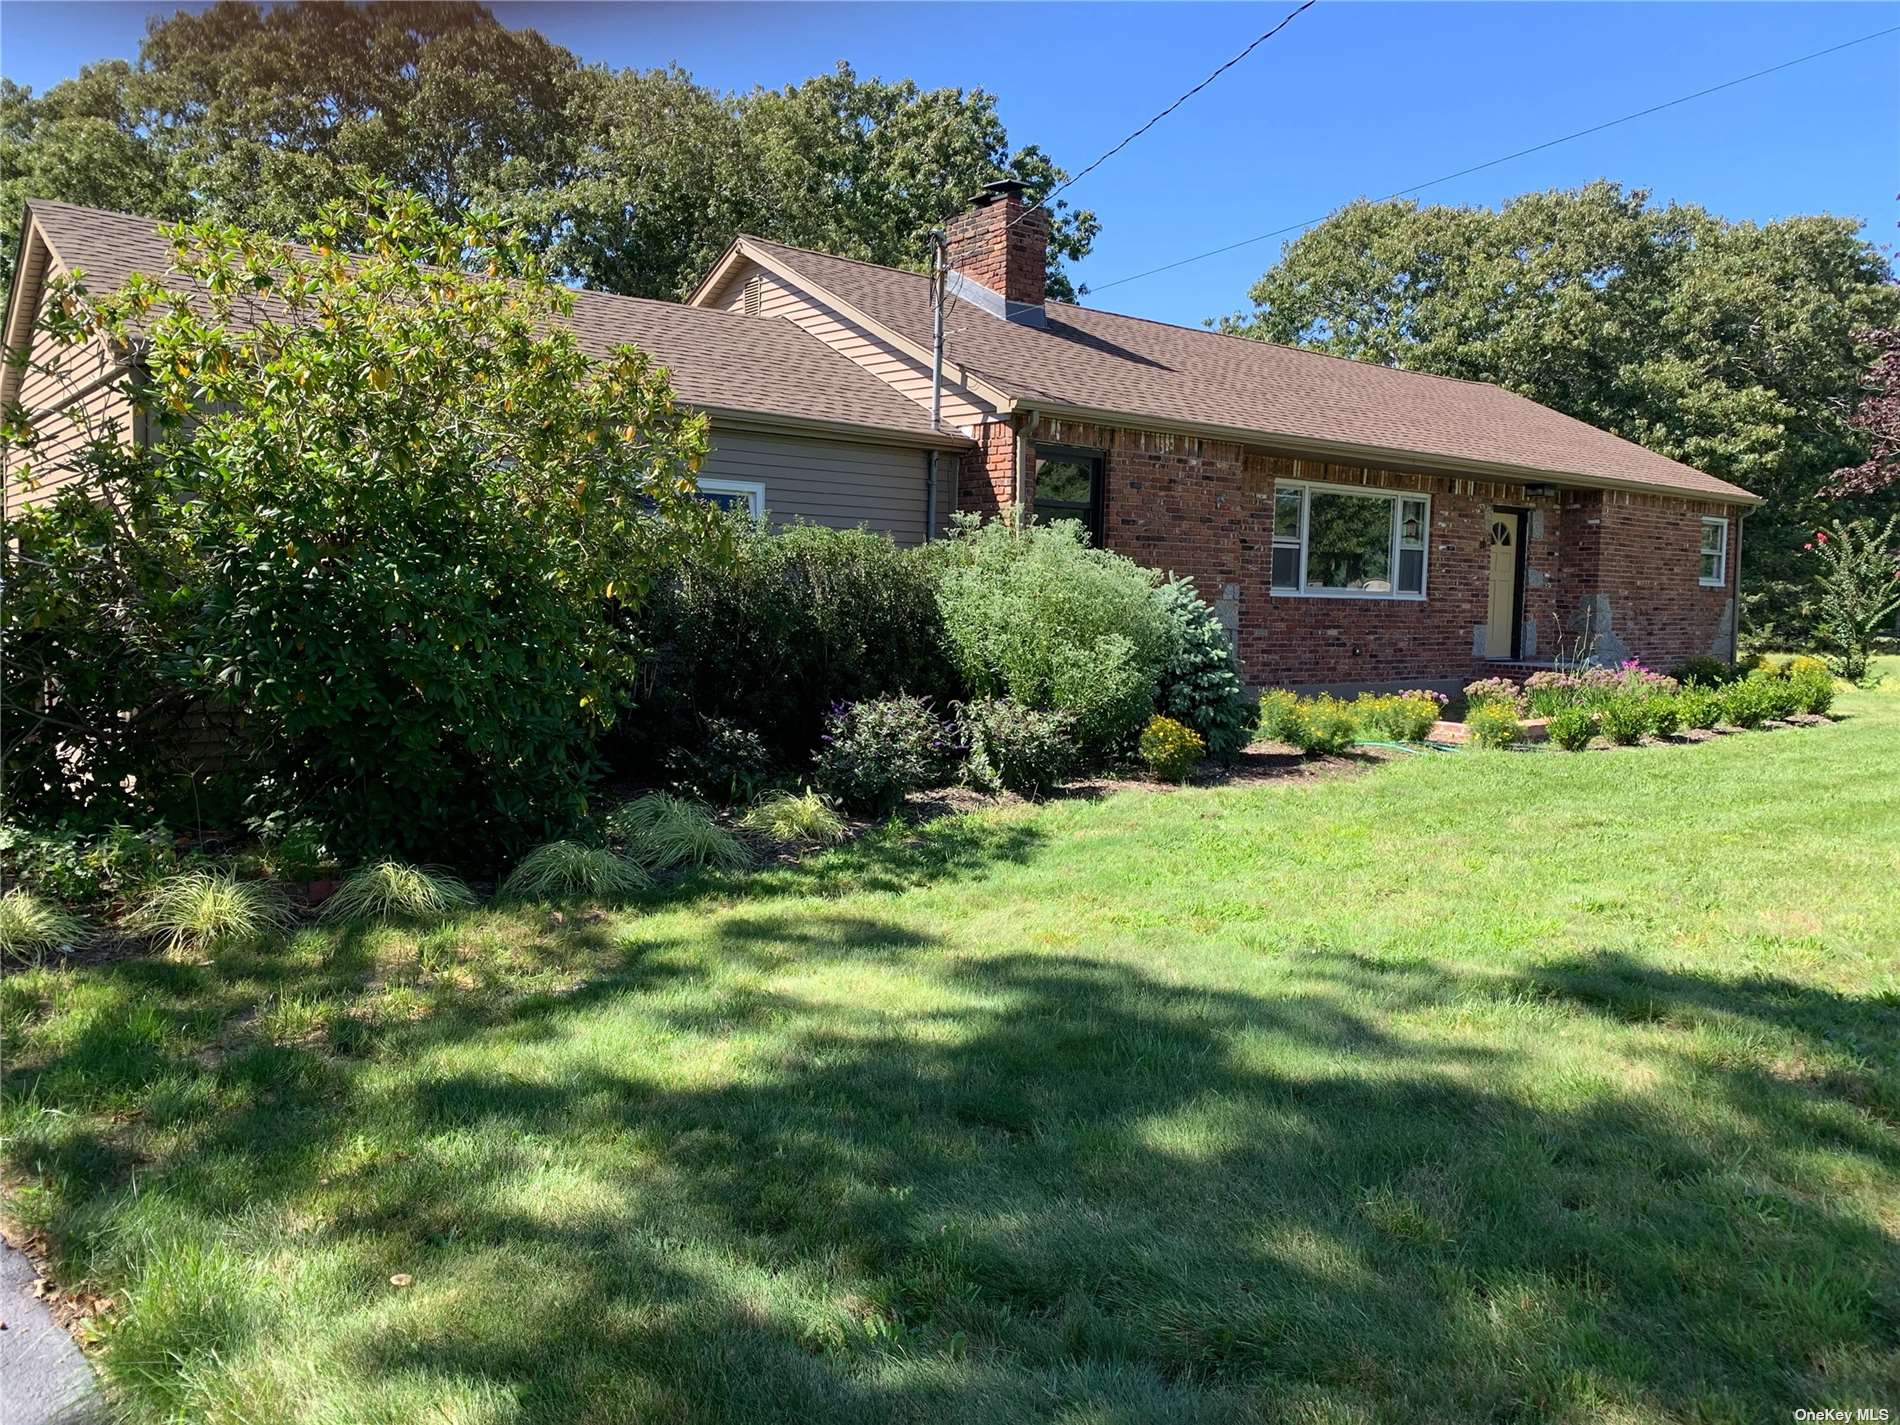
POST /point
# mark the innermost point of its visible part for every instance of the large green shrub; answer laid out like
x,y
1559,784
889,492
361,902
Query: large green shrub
x,y
1033,613
771,636
1572,728
379,529
1200,684
1324,725
1011,748
1626,718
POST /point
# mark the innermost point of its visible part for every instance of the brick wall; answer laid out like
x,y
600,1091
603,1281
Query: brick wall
x,y
986,480
1204,508
996,244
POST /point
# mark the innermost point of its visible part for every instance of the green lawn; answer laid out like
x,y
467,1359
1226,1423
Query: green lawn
x,y
1478,1087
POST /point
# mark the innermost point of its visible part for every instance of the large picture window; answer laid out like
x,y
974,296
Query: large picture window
x,y
1334,542
1714,552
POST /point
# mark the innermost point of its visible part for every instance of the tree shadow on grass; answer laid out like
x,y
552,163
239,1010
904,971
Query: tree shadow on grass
x,y
1065,1187
1096,1189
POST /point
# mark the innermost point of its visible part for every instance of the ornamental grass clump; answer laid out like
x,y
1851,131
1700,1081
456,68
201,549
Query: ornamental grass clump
x,y
572,870
31,928
1171,749
661,831
395,890
795,819
201,909
1572,728
1493,724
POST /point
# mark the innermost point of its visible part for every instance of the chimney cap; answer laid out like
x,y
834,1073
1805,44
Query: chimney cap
x,y
996,190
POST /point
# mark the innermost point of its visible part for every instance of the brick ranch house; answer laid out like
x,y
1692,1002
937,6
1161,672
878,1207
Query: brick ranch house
x,y
1353,525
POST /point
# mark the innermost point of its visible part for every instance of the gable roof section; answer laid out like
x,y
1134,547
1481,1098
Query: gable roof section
x,y
1112,368
720,362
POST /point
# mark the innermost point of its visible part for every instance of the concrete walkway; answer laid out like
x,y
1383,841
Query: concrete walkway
x,y
44,1380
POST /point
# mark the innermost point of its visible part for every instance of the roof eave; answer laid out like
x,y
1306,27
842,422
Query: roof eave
x,y
814,425
1401,459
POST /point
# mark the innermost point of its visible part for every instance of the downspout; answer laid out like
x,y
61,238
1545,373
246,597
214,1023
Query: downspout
x,y
939,244
1735,623
1026,434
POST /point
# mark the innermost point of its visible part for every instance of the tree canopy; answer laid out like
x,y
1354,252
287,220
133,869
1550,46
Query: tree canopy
x,y
1738,348
631,181
385,531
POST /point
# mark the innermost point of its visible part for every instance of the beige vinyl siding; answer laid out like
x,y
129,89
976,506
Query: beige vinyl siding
x,y
837,483
64,412
961,409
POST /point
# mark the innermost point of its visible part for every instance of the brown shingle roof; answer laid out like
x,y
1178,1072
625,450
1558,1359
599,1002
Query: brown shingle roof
x,y
1178,376
719,361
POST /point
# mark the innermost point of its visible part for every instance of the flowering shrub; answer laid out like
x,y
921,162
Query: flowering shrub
x,y
1397,717
1279,710
876,752
1324,725
1500,691
1493,724
1548,692
1013,748
1572,728
1170,749
1431,695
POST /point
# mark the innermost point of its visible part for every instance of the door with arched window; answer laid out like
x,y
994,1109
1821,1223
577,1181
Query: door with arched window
x,y
1505,611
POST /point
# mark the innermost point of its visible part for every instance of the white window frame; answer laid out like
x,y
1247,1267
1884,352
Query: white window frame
x,y
1396,499
1720,552
753,490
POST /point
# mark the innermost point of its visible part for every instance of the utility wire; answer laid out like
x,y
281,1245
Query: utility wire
x,y
1522,152
1288,19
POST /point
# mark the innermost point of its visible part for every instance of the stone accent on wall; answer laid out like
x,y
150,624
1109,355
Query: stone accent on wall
x,y
1204,508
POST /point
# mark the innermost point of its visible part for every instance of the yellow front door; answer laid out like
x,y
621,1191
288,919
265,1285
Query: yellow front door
x,y
1507,528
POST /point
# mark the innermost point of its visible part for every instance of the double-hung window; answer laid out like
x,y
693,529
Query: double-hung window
x,y
746,495
1331,541
1714,570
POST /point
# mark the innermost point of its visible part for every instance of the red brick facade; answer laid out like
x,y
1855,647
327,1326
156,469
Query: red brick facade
x,y
1621,568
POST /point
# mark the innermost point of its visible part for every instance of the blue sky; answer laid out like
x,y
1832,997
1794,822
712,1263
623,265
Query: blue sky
x,y
1352,99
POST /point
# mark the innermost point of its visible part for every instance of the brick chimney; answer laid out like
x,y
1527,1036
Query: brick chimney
x,y
1008,258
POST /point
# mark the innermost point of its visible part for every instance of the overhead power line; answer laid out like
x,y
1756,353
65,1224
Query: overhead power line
x,y
1286,20
1520,153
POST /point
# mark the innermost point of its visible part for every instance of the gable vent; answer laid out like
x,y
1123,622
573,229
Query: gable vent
x,y
754,295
